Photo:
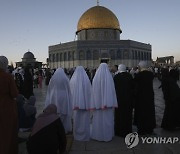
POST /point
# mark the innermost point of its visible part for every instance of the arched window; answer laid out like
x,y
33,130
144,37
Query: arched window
x,y
73,55
69,55
50,57
60,56
81,55
112,54
88,55
119,54
135,55
141,55
132,54
95,55
126,54
149,56
57,57
53,60
144,57
65,56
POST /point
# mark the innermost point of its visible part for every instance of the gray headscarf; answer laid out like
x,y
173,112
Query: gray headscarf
x,y
3,62
29,107
32,100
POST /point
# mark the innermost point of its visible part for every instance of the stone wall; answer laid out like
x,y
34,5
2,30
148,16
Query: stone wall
x,y
90,53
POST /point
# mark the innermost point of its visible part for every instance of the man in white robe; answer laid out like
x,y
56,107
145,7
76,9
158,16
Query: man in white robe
x,y
80,86
104,101
59,93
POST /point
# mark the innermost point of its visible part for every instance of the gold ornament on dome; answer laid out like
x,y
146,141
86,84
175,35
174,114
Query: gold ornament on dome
x,y
98,17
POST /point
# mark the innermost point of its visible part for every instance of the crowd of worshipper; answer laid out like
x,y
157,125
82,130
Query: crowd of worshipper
x,y
93,104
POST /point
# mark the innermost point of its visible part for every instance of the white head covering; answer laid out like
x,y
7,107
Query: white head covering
x,y
103,90
3,62
59,93
143,64
81,89
121,68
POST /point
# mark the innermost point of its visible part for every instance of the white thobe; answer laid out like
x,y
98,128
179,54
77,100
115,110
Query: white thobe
x,y
81,127
103,125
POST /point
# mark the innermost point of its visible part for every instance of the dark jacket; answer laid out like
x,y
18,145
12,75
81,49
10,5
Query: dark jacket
x,y
49,140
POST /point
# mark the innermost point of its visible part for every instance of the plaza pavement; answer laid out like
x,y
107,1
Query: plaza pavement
x,y
117,145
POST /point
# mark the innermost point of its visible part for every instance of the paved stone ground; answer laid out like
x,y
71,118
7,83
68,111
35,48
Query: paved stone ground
x,y
117,145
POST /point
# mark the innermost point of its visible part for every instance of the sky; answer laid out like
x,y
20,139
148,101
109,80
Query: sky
x,y
36,24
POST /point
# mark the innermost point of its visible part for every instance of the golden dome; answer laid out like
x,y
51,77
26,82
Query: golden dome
x,y
98,17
